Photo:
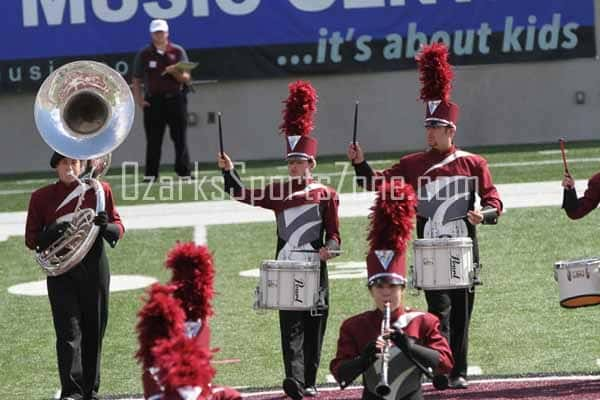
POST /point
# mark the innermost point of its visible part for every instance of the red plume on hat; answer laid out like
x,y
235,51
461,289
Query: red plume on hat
x,y
298,120
435,74
193,275
185,371
391,224
160,317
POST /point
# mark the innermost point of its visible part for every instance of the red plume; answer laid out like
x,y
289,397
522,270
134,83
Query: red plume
x,y
161,317
392,216
435,72
182,362
193,274
300,107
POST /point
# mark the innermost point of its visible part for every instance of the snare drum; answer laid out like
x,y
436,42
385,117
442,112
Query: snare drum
x,y
578,282
443,263
289,285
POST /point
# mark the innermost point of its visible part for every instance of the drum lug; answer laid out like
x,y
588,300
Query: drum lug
x,y
413,290
256,304
316,311
476,279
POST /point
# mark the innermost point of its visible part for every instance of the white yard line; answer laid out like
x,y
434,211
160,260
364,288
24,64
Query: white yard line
x,y
209,174
200,234
204,213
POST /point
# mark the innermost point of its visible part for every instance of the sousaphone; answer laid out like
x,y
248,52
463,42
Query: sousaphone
x,y
83,110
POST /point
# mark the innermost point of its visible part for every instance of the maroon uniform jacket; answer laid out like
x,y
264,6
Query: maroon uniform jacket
x,y
56,203
577,208
358,331
446,184
149,66
305,211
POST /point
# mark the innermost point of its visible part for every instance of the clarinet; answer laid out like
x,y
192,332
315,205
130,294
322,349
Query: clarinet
x,y
383,388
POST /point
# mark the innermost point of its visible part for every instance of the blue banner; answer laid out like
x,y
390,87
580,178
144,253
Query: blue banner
x,y
275,37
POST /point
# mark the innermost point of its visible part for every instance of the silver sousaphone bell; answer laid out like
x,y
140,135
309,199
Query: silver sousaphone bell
x,y
83,110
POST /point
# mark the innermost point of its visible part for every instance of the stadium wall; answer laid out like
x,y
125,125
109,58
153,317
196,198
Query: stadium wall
x,y
501,104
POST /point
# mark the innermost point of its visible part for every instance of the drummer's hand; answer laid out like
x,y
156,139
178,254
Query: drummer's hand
x,y
324,254
224,162
475,217
568,182
355,153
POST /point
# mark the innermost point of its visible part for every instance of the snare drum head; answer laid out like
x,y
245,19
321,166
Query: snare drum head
x,y
274,264
444,242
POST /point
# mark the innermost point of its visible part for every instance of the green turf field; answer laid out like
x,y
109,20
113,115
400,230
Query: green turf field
x,y
518,326
508,164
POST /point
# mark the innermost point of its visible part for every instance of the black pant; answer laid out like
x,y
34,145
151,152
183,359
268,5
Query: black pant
x,y
301,342
302,338
454,309
79,302
172,111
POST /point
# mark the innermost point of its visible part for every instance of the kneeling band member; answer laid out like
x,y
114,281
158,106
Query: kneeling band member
x,y
407,341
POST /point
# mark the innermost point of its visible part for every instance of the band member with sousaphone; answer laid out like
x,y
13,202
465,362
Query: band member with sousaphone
x,y
79,297
69,220
391,346
174,331
307,231
446,180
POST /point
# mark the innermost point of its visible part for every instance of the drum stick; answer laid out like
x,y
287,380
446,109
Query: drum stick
x,y
355,123
220,134
316,251
564,157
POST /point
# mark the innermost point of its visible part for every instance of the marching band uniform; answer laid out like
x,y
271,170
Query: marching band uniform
x,y
79,297
174,331
578,208
416,334
446,183
307,217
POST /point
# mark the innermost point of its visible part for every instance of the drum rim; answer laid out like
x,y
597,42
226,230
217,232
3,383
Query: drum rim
x,y
462,286
296,263
563,264
425,241
562,301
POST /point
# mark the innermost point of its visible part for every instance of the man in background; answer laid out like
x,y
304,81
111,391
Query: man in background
x,y
163,99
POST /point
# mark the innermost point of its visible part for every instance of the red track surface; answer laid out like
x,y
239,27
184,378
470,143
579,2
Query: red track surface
x,y
563,389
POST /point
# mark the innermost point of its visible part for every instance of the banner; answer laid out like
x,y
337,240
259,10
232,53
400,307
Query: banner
x,y
233,39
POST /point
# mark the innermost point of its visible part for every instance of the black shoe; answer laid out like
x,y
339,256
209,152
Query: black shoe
x,y
310,391
187,178
440,382
72,397
458,383
292,388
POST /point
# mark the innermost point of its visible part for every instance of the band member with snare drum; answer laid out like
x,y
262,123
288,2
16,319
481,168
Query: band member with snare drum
x,y
446,180
390,345
78,297
307,230
579,207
